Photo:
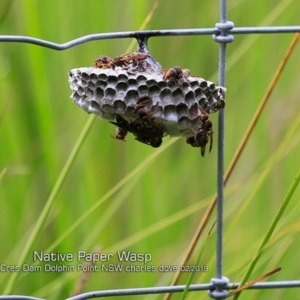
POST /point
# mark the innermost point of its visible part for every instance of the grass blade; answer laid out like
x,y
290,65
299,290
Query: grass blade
x,y
260,278
271,229
49,203
191,277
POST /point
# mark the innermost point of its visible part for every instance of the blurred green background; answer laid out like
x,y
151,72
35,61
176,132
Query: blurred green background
x,y
157,211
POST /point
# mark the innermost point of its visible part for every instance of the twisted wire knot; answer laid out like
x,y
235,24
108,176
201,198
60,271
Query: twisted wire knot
x,y
219,285
224,29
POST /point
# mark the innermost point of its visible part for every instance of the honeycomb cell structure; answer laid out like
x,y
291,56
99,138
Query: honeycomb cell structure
x,y
173,104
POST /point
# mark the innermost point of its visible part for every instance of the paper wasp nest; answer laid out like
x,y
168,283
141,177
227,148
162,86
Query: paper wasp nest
x,y
146,100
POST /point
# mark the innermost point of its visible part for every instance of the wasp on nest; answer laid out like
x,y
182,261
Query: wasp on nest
x,y
138,96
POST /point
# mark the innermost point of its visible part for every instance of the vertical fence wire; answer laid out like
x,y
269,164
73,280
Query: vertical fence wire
x,y
220,162
220,282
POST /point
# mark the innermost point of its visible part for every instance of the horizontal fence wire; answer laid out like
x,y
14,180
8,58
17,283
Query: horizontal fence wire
x,y
146,33
164,289
216,32
178,289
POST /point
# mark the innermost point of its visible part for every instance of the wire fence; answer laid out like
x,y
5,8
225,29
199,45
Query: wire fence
x,y
222,34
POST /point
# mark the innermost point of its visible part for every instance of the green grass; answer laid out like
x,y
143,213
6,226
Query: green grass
x,y
66,185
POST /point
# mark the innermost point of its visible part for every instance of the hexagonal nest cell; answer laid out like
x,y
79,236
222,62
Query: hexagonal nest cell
x,y
139,97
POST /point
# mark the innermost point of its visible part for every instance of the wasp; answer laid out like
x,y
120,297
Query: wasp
x,y
201,137
151,135
143,115
139,107
203,116
151,132
122,128
176,73
203,134
128,58
220,105
104,62
120,134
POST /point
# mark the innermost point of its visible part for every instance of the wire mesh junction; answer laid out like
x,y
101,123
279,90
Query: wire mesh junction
x,y
223,34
